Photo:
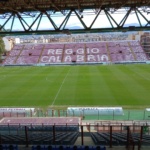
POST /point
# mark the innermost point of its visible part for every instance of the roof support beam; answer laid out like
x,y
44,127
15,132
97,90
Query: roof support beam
x,y
6,22
52,22
84,25
76,31
125,18
32,25
20,19
63,24
138,17
111,18
12,23
148,21
95,19
34,22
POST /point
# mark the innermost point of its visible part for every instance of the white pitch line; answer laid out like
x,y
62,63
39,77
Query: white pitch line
x,y
59,88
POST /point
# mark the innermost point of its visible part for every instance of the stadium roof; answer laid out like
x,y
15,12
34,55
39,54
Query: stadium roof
x,y
36,10
59,5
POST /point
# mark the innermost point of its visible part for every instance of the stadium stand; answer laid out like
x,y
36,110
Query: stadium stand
x,y
57,133
8,147
100,52
37,138
118,138
62,147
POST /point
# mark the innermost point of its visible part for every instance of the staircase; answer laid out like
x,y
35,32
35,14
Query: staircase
x,y
108,52
18,55
62,59
132,51
85,53
41,54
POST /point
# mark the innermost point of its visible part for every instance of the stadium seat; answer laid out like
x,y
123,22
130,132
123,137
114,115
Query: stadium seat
x,y
118,51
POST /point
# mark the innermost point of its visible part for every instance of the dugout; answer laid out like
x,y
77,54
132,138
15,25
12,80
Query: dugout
x,y
81,111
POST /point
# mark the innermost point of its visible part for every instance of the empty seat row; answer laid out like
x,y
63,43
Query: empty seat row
x,y
40,138
119,138
64,147
57,128
8,147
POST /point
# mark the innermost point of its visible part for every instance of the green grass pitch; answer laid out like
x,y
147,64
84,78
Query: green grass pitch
x,y
86,85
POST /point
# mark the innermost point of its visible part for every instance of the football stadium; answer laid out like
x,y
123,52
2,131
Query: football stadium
x,y
74,75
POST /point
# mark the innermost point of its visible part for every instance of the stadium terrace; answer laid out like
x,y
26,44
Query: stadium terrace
x,y
102,52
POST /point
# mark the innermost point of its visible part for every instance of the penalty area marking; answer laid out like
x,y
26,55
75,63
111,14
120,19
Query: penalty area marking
x,y
60,88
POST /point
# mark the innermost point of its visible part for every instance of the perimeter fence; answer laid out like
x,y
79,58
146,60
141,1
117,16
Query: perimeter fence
x,y
127,114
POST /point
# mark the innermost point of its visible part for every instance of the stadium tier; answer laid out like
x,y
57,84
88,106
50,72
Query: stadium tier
x,y
117,138
100,52
42,120
70,132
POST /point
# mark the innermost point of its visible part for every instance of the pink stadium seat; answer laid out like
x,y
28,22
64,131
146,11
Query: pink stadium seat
x,y
29,47
134,43
31,52
114,57
10,60
141,56
14,52
53,46
80,45
42,120
52,52
129,57
71,45
27,60
18,47
97,58
122,43
38,46
117,51
51,59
